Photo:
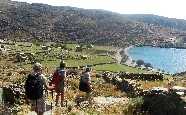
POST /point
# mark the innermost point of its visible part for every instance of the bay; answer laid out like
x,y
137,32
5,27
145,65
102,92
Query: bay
x,y
171,60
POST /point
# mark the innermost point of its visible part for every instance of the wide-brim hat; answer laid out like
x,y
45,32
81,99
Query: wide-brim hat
x,y
37,66
88,68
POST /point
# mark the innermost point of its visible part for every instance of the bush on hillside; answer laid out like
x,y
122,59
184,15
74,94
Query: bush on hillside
x,y
163,104
140,62
148,65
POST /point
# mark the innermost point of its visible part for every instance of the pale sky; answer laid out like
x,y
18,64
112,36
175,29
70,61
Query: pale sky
x,y
167,8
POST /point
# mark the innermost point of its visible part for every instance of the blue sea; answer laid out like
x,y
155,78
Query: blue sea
x,y
171,60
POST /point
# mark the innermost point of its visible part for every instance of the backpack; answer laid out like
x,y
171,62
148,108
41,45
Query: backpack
x,y
57,77
34,87
83,86
61,73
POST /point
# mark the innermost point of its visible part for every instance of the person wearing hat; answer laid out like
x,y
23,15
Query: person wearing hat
x,y
85,82
34,89
58,79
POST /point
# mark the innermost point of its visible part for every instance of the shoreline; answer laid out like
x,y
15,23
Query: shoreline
x,y
129,59
122,56
118,56
156,46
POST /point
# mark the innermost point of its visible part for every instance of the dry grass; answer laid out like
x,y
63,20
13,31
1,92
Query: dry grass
x,y
10,73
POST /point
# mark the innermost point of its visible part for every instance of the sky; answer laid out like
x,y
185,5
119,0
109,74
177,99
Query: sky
x,y
167,8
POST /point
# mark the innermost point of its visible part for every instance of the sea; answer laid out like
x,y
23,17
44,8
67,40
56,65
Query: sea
x,y
170,60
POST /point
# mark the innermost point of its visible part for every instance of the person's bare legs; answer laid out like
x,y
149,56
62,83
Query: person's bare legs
x,y
57,98
89,98
62,98
61,95
33,108
40,113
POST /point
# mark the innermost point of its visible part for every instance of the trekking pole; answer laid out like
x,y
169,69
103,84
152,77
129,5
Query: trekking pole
x,y
66,89
51,101
45,99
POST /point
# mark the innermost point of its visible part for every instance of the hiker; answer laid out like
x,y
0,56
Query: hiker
x,y
58,79
85,82
34,88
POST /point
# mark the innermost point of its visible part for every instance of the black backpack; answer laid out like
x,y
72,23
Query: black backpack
x,y
84,86
34,87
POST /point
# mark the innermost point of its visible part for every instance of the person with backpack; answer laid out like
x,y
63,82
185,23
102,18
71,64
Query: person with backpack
x,y
58,79
34,89
85,82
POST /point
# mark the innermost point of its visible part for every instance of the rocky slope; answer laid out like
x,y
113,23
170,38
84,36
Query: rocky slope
x,y
23,21
172,23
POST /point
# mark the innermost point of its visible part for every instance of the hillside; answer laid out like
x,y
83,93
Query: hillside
x,y
117,89
172,23
48,34
23,22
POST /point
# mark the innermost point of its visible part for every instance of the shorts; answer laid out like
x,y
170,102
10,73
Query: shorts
x,y
38,105
84,87
60,87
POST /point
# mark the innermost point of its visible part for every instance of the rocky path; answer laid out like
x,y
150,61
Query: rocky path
x,y
98,102
105,101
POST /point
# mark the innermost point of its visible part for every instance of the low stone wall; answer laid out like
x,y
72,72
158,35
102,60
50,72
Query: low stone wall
x,y
142,76
12,94
131,87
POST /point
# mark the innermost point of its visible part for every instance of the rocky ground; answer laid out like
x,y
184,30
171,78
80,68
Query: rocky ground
x,y
98,102
112,94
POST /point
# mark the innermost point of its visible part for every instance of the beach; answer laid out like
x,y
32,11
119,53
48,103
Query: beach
x,y
129,59
118,56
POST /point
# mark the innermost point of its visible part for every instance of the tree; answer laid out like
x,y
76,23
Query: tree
x,y
79,49
163,104
140,62
89,46
148,65
64,47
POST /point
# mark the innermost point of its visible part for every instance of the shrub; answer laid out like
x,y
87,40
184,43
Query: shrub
x,y
133,106
140,62
148,65
163,104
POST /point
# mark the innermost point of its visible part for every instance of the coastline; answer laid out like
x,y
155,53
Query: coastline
x,y
118,56
123,53
122,56
128,61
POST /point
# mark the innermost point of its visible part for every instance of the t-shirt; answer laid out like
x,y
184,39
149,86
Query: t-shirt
x,y
57,76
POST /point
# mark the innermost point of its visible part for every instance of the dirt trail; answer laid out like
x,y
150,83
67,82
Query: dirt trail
x,y
99,102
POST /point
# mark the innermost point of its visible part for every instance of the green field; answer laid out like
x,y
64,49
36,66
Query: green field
x,y
117,68
102,59
100,56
